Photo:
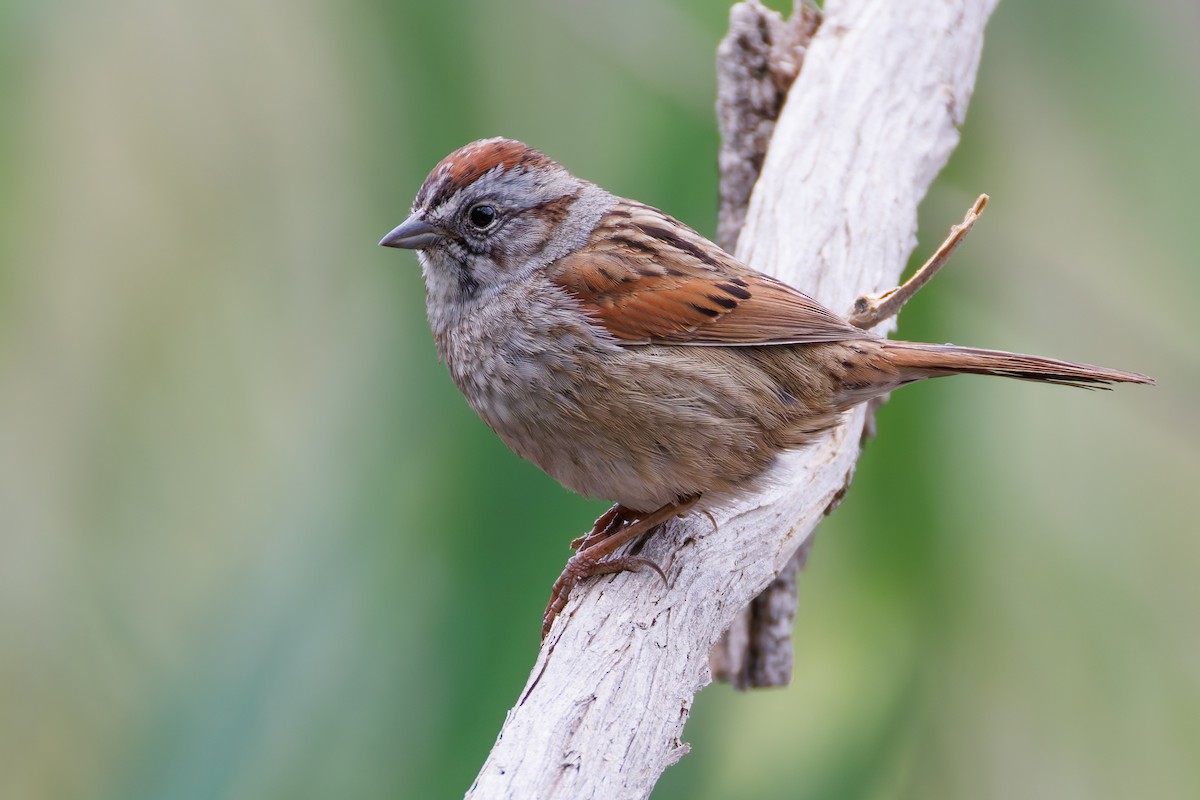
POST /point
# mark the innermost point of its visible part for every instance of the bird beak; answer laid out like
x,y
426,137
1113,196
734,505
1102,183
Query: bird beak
x,y
412,234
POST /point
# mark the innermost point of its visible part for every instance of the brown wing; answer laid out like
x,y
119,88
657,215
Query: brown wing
x,y
649,279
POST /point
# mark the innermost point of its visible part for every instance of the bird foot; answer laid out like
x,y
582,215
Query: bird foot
x,y
606,525
581,566
594,557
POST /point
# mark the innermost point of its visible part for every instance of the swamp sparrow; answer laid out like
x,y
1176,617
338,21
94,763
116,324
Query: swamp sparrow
x,y
631,358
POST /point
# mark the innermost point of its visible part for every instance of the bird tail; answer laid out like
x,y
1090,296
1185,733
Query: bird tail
x,y
916,361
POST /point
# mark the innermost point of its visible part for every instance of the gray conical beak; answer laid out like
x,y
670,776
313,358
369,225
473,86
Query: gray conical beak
x,y
412,234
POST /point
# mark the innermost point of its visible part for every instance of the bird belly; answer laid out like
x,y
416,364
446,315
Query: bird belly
x,y
643,426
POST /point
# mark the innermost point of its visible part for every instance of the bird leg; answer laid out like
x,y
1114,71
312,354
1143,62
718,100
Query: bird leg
x,y
606,525
591,558
872,309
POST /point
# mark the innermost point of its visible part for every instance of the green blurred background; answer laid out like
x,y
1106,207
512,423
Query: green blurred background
x,y
253,544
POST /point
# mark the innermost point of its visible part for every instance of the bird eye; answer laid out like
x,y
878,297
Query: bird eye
x,y
482,216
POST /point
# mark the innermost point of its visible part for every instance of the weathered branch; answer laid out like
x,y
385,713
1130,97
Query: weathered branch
x,y
757,62
867,125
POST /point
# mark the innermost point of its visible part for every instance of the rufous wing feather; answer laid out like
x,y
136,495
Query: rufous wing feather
x,y
648,279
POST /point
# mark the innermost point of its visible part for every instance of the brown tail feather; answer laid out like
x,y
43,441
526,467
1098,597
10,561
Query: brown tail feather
x,y
916,361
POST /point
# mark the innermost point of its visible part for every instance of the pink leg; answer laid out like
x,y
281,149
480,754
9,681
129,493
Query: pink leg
x,y
606,525
590,560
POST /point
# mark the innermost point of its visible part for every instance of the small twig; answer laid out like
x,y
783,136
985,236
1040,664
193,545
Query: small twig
x,y
872,309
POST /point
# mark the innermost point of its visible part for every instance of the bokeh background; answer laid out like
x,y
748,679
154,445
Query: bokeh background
x,y
253,544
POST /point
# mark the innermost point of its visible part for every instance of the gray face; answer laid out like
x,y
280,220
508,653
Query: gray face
x,y
489,216
486,214
496,228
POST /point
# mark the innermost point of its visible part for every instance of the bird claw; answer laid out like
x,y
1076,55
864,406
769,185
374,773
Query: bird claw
x,y
638,564
594,557
581,566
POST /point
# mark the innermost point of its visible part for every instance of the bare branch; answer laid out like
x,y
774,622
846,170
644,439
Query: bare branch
x,y
870,121
757,62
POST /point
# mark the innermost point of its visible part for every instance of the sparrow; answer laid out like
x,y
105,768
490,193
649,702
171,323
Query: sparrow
x,y
631,358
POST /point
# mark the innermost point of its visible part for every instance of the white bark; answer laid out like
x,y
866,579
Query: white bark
x,y
868,124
